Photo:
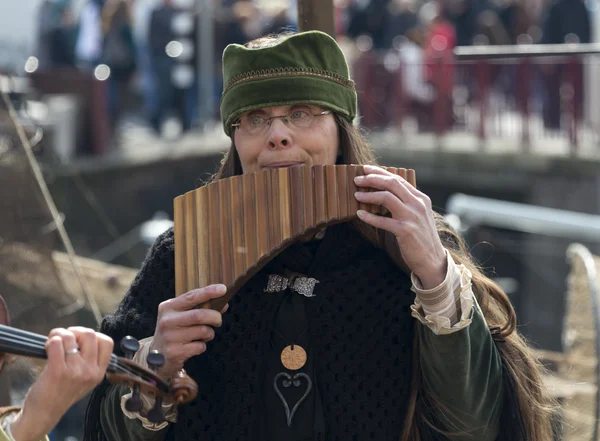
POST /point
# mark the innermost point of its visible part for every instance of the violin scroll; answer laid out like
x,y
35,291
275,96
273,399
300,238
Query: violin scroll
x,y
180,389
184,388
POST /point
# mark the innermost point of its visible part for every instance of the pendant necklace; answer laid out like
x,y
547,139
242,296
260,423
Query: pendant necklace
x,y
293,356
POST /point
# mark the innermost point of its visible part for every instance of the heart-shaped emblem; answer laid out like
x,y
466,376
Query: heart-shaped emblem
x,y
290,381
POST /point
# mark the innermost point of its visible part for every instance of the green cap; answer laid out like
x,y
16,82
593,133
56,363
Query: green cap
x,y
308,67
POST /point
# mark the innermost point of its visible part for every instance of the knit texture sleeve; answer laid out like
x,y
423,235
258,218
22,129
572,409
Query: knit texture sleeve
x,y
136,316
155,282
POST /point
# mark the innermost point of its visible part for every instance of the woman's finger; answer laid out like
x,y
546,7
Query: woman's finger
x,y
55,351
371,169
396,207
194,348
86,340
381,222
189,334
105,348
183,319
391,183
69,342
195,298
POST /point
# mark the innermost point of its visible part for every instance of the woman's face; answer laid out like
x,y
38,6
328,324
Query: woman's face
x,y
281,144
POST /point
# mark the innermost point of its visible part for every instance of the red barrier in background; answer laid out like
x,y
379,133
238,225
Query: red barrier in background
x,y
534,91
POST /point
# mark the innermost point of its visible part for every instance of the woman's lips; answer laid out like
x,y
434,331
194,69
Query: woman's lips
x,y
282,164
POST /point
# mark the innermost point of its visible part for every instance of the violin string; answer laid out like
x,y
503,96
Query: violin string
x,y
33,341
30,340
26,341
36,343
21,332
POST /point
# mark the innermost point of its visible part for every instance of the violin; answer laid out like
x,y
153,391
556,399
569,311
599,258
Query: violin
x,y
180,389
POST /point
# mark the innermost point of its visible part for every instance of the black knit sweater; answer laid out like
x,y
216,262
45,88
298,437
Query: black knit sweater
x,y
359,324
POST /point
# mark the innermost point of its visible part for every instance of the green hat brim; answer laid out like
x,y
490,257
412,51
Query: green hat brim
x,y
286,91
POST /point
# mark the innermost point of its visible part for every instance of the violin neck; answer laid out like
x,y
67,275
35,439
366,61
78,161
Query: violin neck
x,y
18,342
28,344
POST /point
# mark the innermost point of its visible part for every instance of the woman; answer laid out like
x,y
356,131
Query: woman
x,y
77,361
368,369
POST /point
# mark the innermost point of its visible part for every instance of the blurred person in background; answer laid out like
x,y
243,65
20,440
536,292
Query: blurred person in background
x,y
462,16
146,87
402,18
408,35
57,34
228,29
440,41
88,48
517,18
249,16
175,102
77,361
567,21
419,93
369,17
160,34
119,54
277,17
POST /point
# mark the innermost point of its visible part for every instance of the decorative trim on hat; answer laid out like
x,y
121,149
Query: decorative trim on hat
x,y
289,72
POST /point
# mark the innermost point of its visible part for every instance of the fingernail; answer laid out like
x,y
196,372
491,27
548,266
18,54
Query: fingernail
x,y
221,289
358,178
361,213
358,194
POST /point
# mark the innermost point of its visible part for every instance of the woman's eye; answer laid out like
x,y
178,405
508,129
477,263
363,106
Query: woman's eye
x,y
255,120
299,114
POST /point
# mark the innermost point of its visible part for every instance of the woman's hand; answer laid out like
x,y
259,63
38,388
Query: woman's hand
x,y
77,362
182,329
412,222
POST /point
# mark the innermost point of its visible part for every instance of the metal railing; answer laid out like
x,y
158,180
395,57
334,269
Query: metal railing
x,y
465,212
471,211
531,98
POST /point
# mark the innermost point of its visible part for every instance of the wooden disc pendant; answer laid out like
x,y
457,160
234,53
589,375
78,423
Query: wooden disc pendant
x,y
293,357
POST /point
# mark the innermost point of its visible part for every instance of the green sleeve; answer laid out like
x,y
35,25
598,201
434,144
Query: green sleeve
x,y
464,370
117,426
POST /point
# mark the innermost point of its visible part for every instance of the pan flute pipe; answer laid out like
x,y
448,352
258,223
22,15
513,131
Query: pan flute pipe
x,y
227,230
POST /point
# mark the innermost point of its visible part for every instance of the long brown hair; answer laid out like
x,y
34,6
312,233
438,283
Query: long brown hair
x,y
528,412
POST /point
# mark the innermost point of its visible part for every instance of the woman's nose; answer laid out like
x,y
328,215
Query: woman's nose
x,y
279,134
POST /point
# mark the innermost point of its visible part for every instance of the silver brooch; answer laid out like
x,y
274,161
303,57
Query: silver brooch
x,y
302,285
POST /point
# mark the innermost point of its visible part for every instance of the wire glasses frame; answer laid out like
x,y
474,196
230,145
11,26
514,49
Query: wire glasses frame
x,y
256,124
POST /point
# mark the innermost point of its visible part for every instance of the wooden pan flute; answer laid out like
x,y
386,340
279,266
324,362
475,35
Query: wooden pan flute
x,y
227,230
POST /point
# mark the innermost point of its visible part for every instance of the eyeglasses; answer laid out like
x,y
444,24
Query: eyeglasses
x,y
255,124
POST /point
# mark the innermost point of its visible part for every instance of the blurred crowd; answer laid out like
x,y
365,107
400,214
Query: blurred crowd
x,y
413,37
467,22
132,38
